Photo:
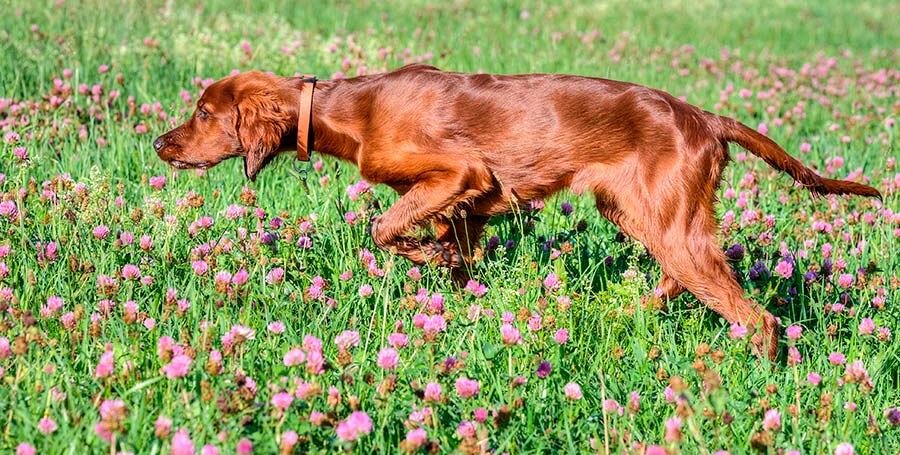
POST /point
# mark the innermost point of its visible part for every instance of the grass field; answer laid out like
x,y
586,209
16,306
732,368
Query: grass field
x,y
144,310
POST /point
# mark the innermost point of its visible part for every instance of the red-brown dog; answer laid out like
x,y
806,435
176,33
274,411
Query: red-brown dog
x,y
461,148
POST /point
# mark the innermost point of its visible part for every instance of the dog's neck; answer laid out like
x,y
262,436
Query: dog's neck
x,y
330,120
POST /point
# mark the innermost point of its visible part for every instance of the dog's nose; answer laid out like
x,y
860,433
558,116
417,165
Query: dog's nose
x,y
159,143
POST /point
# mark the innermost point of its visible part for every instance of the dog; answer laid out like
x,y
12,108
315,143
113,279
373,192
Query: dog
x,y
461,148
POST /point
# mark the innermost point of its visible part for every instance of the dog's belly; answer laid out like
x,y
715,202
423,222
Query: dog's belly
x,y
494,202
513,191
531,173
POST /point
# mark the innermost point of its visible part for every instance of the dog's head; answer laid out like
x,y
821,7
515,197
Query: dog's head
x,y
247,115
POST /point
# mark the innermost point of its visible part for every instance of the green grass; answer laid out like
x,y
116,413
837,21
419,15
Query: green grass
x,y
615,346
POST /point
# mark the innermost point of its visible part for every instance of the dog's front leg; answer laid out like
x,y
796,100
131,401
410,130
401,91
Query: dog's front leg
x,y
422,201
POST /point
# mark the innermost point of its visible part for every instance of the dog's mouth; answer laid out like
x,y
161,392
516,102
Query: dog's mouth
x,y
184,165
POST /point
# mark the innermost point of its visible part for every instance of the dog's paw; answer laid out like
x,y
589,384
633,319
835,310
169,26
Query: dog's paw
x,y
406,245
654,303
766,337
443,253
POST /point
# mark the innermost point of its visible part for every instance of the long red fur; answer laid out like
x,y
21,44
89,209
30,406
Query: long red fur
x,y
461,148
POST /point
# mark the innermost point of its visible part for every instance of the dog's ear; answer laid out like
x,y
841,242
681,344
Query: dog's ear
x,y
260,124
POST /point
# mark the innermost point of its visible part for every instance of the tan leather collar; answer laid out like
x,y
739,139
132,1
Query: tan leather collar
x,y
305,134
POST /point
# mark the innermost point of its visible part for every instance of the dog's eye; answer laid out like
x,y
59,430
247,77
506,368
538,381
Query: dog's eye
x,y
202,114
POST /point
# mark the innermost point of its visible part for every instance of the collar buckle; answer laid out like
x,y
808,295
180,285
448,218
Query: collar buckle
x,y
305,133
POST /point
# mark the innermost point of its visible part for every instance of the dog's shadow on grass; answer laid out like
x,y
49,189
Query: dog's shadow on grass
x,y
593,256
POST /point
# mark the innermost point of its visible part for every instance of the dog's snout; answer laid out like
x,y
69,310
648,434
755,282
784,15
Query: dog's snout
x,y
159,143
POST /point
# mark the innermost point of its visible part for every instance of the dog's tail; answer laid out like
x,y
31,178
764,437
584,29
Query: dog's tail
x,y
733,131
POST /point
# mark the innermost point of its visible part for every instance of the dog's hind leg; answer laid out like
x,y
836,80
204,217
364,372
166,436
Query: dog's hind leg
x,y
667,289
680,232
690,254
690,257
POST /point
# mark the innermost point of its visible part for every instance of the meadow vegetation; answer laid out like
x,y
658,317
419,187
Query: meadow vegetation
x,y
145,310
